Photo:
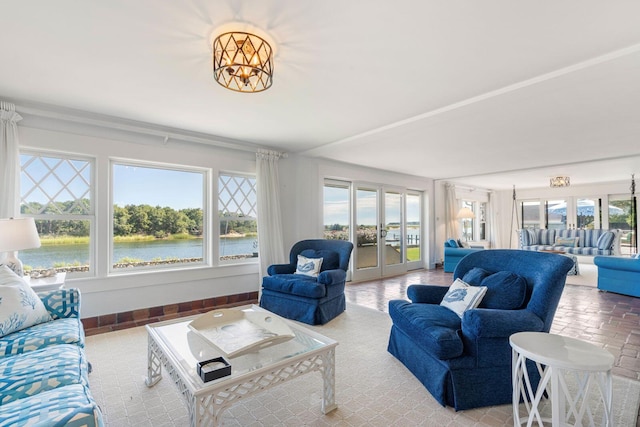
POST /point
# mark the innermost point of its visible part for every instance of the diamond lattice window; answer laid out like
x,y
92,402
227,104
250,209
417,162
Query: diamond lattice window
x,y
237,211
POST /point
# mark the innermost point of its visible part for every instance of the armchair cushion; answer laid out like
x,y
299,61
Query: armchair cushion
x,y
330,259
434,327
308,266
428,294
295,284
505,291
462,297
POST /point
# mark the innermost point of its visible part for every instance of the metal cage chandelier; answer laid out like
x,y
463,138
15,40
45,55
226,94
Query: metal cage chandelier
x,y
242,62
559,181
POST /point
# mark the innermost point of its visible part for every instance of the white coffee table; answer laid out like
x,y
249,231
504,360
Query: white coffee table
x,y
174,345
556,358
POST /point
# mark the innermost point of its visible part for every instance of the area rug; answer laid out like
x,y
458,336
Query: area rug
x,y
372,387
588,276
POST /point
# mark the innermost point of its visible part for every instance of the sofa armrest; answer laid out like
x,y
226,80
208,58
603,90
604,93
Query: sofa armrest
x,y
427,294
491,323
62,303
332,277
274,269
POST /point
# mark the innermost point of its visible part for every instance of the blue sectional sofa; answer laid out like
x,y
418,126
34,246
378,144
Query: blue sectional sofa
x,y
43,368
619,274
576,242
454,252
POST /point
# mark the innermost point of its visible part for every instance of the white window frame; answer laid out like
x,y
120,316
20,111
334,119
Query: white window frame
x,y
217,219
91,216
206,257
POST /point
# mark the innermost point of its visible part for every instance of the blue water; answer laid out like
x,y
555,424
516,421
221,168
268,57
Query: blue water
x,y
46,256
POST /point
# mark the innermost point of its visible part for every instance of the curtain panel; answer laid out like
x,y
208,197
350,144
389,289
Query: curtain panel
x,y
9,160
270,240
452,228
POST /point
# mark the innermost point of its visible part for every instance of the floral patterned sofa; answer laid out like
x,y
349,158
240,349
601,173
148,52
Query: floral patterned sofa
x,y
576,241
43,368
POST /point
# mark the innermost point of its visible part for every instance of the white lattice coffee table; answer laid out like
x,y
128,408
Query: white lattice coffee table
x,y
175,346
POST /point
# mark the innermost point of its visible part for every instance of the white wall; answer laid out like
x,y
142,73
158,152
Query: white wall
x,y
301,181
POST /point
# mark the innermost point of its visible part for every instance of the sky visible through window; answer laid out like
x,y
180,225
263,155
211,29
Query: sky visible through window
x,y
135,185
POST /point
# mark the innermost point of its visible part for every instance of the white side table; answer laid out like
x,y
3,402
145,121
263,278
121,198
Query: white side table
x,y
557,358
47,283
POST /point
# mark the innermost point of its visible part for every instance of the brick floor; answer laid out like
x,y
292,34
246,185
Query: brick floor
x,y
603,318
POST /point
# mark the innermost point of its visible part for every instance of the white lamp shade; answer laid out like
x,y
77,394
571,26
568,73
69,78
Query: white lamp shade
x,y
465,213
17,234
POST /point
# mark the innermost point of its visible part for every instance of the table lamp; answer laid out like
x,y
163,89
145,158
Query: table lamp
x,y
17,234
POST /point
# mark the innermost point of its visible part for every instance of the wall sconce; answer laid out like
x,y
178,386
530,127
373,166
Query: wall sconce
x,y
559,181
17,234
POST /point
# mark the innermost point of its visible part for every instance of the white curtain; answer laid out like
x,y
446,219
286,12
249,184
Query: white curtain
x,y
452,228
270,240
9,160
494,230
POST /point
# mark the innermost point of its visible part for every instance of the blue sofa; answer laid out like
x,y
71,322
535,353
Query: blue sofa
x,y
576,241
43,368
453,253
465,362
619,274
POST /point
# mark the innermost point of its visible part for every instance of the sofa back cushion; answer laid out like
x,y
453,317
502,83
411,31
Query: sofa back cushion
x,y
605,241
528,237
546,237
451,243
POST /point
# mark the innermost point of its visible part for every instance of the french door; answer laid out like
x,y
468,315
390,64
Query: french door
x,y
380,232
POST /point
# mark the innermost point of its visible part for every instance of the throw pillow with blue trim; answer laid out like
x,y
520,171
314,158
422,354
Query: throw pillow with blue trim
x,y
462,297
20,307
308,266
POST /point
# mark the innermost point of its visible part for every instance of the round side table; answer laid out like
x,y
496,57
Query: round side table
x,y
557,358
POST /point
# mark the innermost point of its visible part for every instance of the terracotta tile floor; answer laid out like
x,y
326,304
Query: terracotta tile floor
x,y
606,319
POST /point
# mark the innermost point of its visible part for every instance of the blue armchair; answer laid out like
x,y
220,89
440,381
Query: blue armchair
x,y
618,274
453,253
312,300
465,362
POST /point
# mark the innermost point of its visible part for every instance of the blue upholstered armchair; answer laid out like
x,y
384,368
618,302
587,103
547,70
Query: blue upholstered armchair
x,y
308,299
465,362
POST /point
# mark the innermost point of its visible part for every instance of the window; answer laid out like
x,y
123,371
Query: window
x,y
158,216
237,215
621,216
482,221
467,225
56,190
337,223
531,215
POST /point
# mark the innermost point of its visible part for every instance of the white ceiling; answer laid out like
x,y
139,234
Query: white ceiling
x,y
487,93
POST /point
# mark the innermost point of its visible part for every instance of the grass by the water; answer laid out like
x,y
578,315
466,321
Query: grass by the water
x,y
84,240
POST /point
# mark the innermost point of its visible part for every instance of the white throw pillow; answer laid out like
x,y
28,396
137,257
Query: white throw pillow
x,y
308,266
462,297
20,307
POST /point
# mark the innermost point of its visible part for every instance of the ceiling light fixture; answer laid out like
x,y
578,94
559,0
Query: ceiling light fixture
x,y
242,62
559,181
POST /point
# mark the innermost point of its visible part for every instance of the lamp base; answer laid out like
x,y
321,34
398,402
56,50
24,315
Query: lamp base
x,y
12,261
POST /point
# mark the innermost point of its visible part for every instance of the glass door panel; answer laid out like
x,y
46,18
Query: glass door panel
x,y
413,228
367,228
393,234
556,214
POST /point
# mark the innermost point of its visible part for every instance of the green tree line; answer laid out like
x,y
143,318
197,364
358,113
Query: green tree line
x,y
136,220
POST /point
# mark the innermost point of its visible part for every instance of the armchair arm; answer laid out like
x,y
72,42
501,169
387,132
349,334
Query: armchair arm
x,y
61,303
274,269
331,277
427,294
490,323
